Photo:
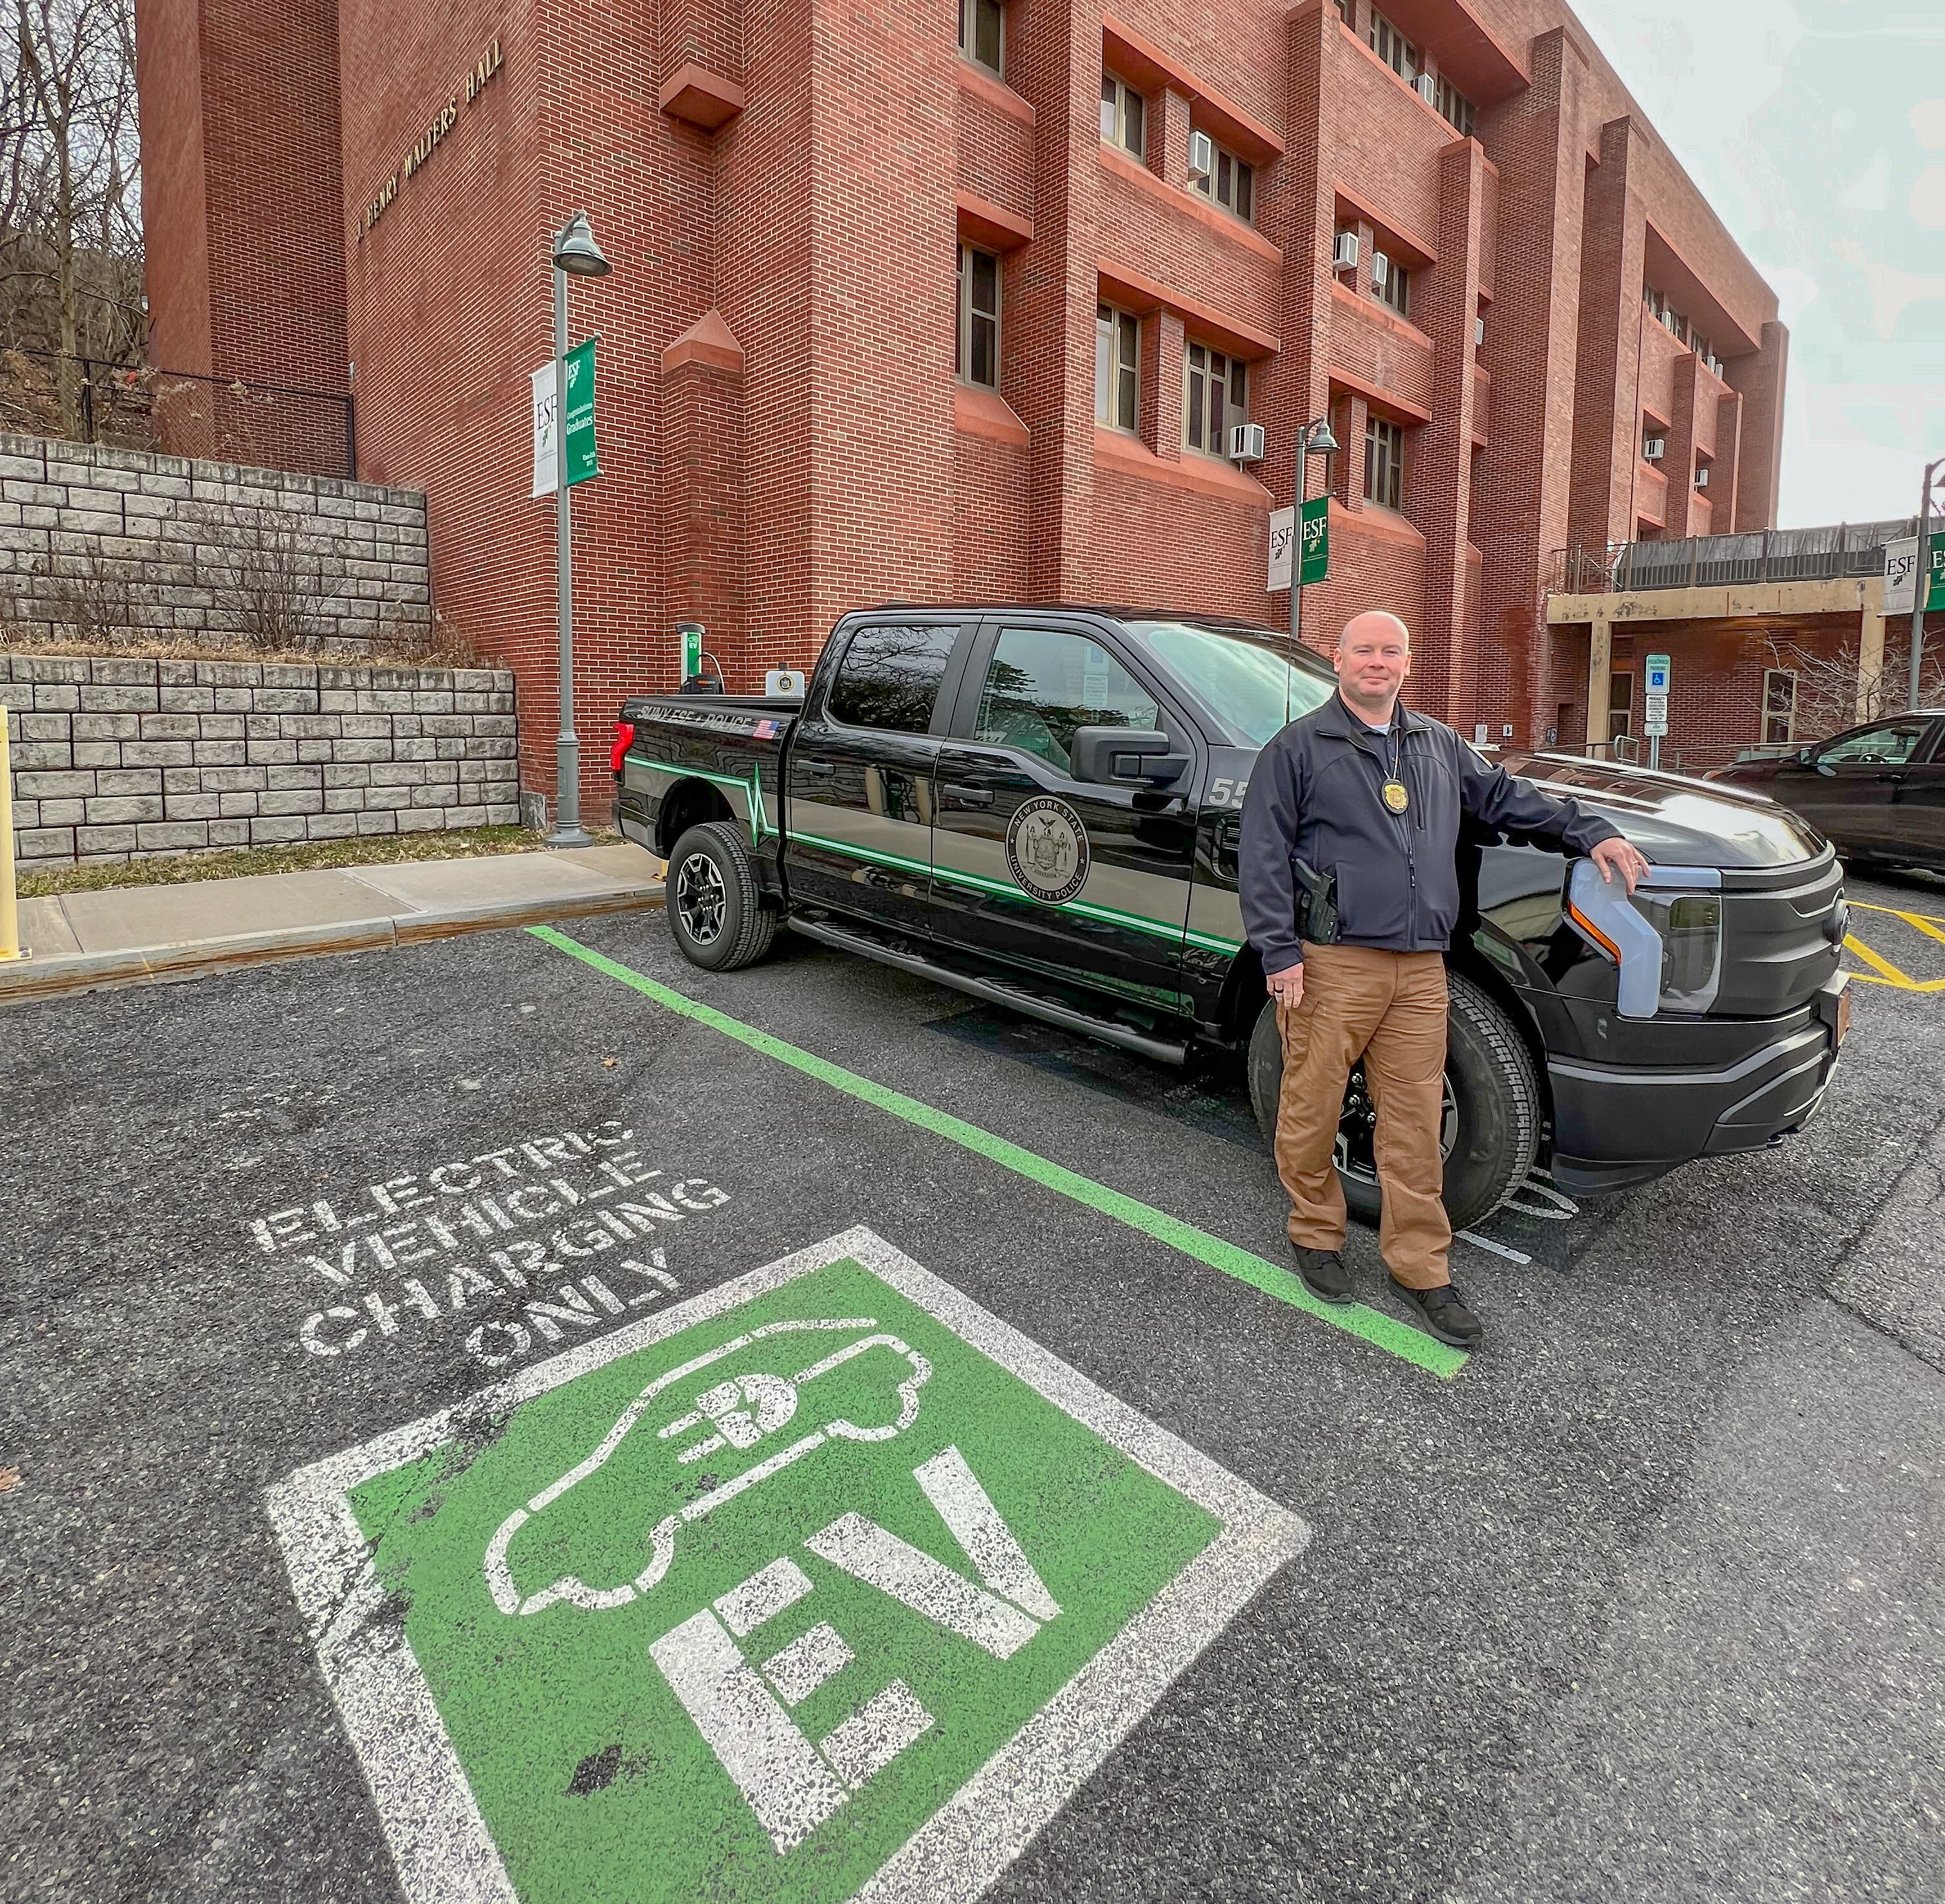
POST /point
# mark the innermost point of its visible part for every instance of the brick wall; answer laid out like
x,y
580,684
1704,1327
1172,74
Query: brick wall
x,y
809,218
175,532
117,759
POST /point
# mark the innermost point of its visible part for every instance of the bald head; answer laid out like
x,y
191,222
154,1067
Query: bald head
x,y
1377,623
1373,659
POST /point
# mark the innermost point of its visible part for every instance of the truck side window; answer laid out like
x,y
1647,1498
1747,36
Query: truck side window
x,y
1044,684
889,678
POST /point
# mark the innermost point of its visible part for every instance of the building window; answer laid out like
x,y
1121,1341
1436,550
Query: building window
x,y
980,32
1779,712
1344,12
1117,367
1121,114
1232,185
1218,396
1653,299
1391,46
1453,106
978,361
1700,345
1391,282
1384,463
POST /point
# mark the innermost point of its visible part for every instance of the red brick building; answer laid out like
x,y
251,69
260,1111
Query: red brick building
x,y
909,305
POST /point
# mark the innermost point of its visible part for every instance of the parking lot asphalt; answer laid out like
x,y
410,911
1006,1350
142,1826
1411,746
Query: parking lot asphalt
x,y
1641,1599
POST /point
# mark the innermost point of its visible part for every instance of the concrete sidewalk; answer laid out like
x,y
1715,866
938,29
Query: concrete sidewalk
x,y
146,935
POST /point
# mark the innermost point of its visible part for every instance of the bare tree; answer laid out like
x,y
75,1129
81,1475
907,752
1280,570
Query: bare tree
x,y
1829,695
70,210
264,582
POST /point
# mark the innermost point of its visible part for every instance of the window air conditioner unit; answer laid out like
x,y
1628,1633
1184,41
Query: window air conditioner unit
x,y
1702,477
1653,448
1381,270
1423,86
1202,155
1245,442
1478,332
1345,256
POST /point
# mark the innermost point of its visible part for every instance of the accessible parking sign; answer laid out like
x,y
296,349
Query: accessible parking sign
x,y
825,1585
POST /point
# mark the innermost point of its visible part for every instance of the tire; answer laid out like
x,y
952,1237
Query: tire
x,y
715,907
1492,1114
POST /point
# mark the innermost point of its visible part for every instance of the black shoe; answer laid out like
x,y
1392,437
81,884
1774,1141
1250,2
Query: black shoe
x,y
1324,1273
1445,1314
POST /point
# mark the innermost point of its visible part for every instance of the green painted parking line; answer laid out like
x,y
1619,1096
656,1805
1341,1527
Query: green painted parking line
x,y
827,1585
1370,1325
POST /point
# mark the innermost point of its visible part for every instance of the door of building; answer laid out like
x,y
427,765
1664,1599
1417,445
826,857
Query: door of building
x,y
1026,858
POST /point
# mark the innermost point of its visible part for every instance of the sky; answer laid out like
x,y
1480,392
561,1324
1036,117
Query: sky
x,y
1817,130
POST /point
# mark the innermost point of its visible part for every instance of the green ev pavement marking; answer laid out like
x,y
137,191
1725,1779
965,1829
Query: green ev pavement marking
x,y
827,1584
1370,1325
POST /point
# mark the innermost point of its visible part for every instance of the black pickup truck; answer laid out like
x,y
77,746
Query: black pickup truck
x,y
1041,807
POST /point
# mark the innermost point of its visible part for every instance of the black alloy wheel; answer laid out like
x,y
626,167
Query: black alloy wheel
x,y
715,911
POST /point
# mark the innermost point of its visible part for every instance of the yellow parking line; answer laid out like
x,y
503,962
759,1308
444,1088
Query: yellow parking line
x,y
1885,972
1865,906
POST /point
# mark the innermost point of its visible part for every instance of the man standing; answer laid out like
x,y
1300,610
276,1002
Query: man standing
x,y
1367,794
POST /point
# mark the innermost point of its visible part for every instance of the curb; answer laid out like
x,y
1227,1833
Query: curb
x,y
193,958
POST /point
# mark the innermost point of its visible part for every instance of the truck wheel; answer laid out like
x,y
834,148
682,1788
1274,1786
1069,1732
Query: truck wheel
x,y
1490,1126
714,909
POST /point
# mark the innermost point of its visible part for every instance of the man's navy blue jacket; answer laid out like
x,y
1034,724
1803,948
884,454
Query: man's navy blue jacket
x,y
1317,794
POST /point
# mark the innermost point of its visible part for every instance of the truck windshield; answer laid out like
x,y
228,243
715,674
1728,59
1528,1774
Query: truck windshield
x,y
1248,684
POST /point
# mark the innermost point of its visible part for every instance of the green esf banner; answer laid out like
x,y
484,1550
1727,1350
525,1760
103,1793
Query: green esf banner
x,y
581,461
1316,540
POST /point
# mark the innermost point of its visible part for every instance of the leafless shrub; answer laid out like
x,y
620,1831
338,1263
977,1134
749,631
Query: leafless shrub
x,y
82,596
433,642
263,582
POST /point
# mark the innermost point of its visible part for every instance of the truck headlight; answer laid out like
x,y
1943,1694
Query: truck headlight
x,y
1666,938
1690,925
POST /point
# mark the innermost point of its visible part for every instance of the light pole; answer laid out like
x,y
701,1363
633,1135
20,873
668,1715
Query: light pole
x,y
575,255
1313,439
1922,574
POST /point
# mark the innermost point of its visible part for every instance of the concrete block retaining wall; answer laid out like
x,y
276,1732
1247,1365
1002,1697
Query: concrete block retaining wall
x,y
116,759
175,543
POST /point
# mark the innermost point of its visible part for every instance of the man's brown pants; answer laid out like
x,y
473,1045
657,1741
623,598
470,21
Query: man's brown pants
x,y
1388,1008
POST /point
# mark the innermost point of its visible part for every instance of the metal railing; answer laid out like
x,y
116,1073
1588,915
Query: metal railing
x,y
1825,554
181,413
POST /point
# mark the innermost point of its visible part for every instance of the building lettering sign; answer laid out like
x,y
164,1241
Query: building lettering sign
x,y
442,122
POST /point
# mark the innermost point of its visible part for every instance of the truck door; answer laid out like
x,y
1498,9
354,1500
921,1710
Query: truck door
x,y
861,764
1084,882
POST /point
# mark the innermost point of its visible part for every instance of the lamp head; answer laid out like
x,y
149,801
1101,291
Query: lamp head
x,y
1321,442
575,251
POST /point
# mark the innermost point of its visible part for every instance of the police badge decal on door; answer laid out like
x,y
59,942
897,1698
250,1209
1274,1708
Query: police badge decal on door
x,y
1046,850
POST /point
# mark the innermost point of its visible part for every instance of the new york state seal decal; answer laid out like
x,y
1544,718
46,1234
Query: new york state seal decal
x,y
1046,850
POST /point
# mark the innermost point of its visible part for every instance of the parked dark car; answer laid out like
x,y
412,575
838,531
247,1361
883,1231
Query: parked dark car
x,y
1043,807
1876,792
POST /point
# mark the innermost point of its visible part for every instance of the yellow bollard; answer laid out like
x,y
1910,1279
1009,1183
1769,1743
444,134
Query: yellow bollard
x,y
10,911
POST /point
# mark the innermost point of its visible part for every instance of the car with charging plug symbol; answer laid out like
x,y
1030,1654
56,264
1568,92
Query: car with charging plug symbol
x,y
1042,807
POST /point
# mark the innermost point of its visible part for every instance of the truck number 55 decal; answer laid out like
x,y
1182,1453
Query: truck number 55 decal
x,y
1227,793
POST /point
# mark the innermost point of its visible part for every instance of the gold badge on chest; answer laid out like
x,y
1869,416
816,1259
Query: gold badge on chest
x,y
1396,798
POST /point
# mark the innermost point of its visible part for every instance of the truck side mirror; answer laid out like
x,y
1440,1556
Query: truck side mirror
x,y
1125,756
